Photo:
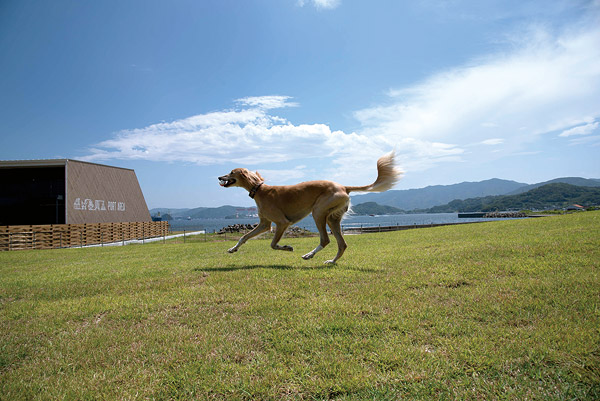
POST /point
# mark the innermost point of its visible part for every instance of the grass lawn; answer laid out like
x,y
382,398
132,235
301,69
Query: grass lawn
x,y
501,310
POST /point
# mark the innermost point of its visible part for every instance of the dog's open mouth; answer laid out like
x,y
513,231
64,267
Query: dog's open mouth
x,y
224,182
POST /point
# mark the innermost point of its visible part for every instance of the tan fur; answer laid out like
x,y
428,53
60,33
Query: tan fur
x,y
288,204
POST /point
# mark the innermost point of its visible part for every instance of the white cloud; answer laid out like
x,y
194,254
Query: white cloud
x,y
267,102
245,136
493,141
544,84
592,140
249,136
283,175
252,136
327,3
580,130
321,4
546,81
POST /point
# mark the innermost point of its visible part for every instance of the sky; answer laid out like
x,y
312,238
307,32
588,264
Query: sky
x,y
183,91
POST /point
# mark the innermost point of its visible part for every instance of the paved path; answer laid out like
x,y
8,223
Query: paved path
x,y
139,241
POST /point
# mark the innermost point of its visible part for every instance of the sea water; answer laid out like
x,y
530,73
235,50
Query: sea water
x,y
349,221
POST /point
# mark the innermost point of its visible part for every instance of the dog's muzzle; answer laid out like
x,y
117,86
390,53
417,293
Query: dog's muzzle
x,y
226,182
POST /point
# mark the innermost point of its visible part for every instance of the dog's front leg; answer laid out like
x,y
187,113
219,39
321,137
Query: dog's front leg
x,y
280,229
262,226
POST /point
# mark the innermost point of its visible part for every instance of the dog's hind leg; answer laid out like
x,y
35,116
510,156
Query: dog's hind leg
x,y
262,226
332,207
321,222
334,220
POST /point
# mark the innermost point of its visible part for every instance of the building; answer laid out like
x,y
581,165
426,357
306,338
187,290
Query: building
x,y
66,191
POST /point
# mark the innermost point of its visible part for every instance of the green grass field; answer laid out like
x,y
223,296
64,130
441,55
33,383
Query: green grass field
x,y
501,310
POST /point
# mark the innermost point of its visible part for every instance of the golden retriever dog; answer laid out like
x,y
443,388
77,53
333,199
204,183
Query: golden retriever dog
x,y
288,204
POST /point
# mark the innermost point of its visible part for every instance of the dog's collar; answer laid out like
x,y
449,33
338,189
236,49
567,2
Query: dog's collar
x,y
252,192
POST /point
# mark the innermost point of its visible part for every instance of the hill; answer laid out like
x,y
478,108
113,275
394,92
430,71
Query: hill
x,y
212,212
170,211
578,181
369,208
549,196
427,197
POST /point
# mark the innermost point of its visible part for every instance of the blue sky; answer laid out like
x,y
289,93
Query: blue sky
x,y
184,91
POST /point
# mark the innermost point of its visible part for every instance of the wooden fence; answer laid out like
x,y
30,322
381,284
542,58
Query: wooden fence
x,y
75,235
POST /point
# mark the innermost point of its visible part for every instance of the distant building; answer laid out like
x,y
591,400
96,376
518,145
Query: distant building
x,y
66,191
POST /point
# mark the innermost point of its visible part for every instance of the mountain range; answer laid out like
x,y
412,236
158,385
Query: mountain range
x,y
557,195
408,200
428,197
577,181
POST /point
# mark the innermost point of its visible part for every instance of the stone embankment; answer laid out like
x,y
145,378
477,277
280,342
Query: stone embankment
x,y
293,231
236,228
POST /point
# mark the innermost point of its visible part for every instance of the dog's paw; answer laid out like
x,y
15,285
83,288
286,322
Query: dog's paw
x,y
308,256
287,248
232,250
329,262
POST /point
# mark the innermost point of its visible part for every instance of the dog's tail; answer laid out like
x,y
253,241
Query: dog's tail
x,y
387,176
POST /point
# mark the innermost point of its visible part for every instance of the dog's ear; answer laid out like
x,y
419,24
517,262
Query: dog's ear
x,y
259,176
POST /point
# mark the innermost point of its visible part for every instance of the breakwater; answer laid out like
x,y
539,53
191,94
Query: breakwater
x,y
492,215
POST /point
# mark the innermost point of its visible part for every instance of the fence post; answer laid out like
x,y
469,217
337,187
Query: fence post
x,y
33,238
10,241
143,234
61,239
184,236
